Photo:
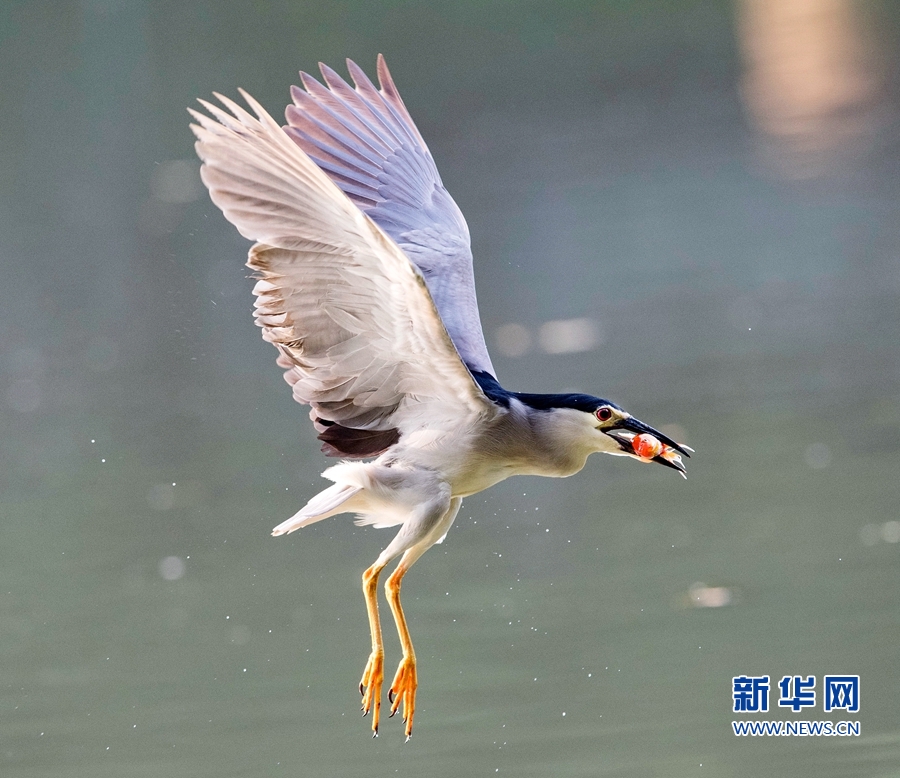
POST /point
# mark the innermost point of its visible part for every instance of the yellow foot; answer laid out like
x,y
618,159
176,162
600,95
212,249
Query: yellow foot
x,y
370,688
403,690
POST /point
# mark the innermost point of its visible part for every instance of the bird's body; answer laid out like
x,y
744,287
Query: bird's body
x,y
519,441
366,290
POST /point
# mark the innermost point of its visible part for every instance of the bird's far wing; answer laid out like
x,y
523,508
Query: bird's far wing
x,y
349,313
366,142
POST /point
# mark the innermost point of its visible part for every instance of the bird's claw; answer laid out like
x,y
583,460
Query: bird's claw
x,y
403,692
370,688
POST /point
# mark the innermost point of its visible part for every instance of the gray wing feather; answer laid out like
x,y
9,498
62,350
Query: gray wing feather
x,y
367,143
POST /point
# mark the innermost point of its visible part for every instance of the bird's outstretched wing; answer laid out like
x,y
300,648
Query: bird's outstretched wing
x,y
351,316
366,142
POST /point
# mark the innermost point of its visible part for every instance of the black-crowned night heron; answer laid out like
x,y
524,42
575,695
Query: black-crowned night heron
x,y
366,289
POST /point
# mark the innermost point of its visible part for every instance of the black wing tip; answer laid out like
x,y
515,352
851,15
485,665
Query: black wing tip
x,y
339,441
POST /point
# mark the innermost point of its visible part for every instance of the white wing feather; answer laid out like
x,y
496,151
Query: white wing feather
x,y
350,314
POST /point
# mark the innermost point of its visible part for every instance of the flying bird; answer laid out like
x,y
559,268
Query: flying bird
x,y
365,288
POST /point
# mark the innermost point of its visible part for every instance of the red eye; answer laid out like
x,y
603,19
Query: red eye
x,y
604,414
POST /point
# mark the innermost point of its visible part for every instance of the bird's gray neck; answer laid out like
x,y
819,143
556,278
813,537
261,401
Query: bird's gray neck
x,y
539,442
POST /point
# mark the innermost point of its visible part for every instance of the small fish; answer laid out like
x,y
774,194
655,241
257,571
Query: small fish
x,y
650,449
647,447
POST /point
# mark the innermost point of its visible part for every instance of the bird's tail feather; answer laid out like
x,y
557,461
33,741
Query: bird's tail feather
x,y
328,503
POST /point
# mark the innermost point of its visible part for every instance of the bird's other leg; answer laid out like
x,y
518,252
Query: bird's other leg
x,y
373,675
406,680
403,687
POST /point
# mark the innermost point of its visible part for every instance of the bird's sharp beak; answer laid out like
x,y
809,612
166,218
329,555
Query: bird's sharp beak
x,y
625,432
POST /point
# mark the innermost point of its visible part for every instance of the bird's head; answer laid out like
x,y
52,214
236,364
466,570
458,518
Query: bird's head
x,y
602,426
631,437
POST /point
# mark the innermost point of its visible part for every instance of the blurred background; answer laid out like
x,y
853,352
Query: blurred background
x,y
688,207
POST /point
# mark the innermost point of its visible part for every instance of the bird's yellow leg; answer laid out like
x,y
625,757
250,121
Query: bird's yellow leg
x,y
403,687
373,675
